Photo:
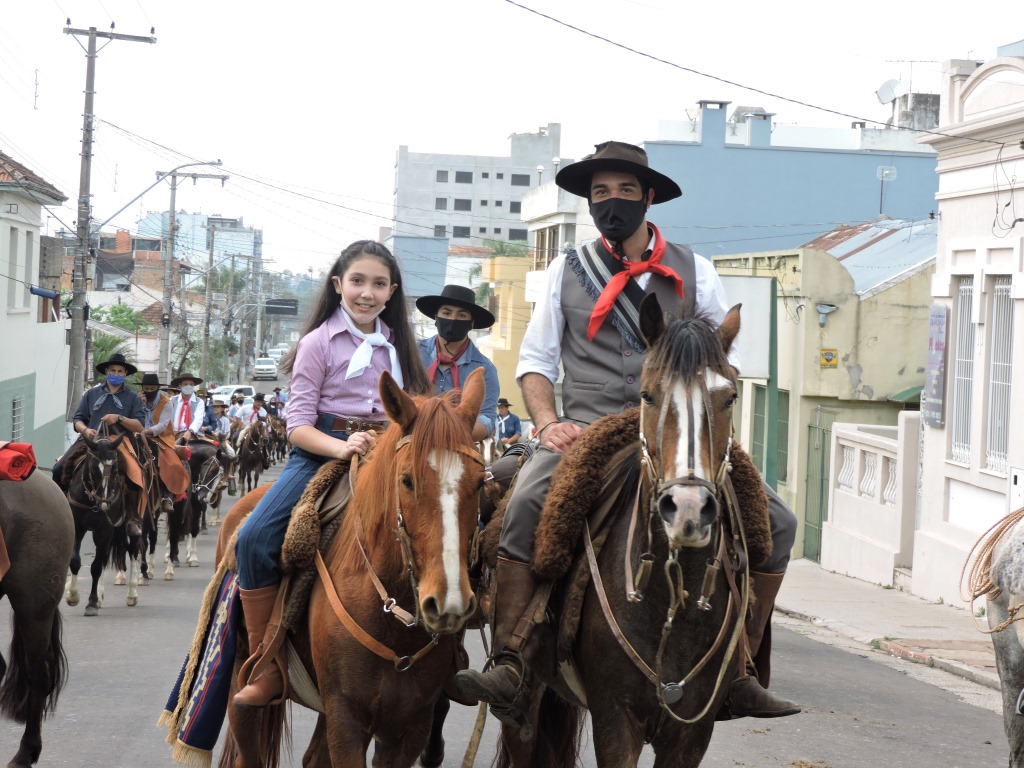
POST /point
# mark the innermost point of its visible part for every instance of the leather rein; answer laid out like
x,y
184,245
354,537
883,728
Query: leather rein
x,y
389,604
669,693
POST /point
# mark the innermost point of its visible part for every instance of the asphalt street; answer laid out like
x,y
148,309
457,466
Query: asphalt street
x,y
862,709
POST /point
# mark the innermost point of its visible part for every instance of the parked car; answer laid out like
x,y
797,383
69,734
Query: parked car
x,y
276,354
266,368
227,390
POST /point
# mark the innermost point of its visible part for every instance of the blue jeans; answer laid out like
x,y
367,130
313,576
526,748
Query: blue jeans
x,y
262,534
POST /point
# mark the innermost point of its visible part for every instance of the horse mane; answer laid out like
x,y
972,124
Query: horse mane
x,y
688,347
374,501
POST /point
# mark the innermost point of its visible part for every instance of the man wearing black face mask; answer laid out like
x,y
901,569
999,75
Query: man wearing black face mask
x,y
450,356
586,325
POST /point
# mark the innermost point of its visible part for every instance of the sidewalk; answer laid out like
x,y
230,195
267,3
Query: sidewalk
x,y
904,625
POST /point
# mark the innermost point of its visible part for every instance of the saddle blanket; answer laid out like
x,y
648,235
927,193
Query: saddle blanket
x,y
198,703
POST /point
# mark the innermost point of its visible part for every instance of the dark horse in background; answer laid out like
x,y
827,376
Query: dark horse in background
x,y
410,526
101,497
206,470
669,694
40,533
252,455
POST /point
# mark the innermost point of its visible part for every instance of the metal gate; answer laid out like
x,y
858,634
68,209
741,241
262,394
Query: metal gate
x,y
819,460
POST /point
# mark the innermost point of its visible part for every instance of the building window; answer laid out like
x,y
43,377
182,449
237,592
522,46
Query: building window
x,y
463,177
545,246
440,230
485,175
463,205
497,230
483,230
500,175
515,207
12,285
1000,328
498,203
441,204
442,175
460,231
17,418
517,234
483,203
520,179
963,374
759,446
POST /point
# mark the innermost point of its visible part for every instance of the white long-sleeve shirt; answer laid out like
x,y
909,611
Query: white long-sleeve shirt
x,y
248,415
178,414
541,350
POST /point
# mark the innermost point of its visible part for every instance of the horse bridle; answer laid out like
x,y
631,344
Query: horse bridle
x,y
389,604
672,692
204,472
101,503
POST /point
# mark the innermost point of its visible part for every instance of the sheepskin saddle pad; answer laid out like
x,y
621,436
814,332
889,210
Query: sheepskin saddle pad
x,y
584,479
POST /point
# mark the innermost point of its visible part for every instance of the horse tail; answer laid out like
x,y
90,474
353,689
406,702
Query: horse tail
x,y
18,682
558,739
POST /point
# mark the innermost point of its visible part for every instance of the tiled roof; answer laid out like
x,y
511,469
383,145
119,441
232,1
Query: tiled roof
x,y
14,174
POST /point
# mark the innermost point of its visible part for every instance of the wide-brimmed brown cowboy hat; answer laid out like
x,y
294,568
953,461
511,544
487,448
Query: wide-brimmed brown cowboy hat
x,y
458,296
191,376
621,157
116,359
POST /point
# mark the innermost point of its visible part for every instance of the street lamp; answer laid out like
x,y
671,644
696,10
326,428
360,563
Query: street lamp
x,y
540,173
555,161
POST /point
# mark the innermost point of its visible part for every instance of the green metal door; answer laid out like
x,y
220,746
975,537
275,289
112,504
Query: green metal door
x,y
819,454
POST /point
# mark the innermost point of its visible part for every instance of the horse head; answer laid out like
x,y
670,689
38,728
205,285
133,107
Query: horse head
x,y
436,478
687,392
102,481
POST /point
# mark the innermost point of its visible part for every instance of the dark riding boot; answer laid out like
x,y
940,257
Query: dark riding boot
x,y
267,687
747,696
520,646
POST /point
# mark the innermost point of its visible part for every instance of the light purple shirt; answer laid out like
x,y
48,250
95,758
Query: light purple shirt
x,y
318,382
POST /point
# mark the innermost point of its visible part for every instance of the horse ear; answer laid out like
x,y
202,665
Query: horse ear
x,y
472,397
652,319
729,328
398,405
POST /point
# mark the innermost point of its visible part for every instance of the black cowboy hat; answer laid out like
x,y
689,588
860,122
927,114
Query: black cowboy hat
x,y
193,378
150,379
458,296
116,359
616,156
503,401
259,397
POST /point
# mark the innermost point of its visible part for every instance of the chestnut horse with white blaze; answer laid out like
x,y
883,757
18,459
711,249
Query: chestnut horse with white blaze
x,y
384,622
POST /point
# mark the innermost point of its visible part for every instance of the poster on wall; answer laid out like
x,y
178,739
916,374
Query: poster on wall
x,y
935,376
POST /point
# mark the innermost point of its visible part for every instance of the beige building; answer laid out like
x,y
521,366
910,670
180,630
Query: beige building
x,y
851,327
507,276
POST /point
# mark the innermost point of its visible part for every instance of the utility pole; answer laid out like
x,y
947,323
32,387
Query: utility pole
x,y
203,363
165,330
227,312
77,361
258,274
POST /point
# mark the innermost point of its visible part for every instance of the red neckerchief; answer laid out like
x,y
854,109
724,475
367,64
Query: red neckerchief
x,y
185,414
631,269
451,360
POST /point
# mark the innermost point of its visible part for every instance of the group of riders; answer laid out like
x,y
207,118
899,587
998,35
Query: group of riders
x,y
161,426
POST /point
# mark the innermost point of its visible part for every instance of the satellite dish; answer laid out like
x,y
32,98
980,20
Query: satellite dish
x,y
890,90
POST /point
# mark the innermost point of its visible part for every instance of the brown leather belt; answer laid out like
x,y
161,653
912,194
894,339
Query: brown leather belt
x,y
350,425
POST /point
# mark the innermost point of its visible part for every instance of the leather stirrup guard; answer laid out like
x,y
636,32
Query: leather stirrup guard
x,y
533,616
270,653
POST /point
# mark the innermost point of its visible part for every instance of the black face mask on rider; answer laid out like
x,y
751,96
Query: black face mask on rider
x,y
452,330
617,218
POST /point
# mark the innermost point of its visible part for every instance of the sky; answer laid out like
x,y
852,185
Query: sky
x,y
306,103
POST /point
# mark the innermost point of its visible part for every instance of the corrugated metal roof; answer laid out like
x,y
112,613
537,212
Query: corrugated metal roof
x,y
879,251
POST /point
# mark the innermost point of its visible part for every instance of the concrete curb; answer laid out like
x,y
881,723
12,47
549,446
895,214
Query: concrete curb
x,y
901,651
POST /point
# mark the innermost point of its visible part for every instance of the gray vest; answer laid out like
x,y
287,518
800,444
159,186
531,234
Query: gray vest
x,y
603,376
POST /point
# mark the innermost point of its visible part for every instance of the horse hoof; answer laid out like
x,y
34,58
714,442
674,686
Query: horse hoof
x,y
71,600
175,562
144,581
193,563
168,575
132,601
119,580
92,610
431,759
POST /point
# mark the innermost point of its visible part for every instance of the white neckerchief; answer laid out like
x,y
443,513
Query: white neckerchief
x,y
363,355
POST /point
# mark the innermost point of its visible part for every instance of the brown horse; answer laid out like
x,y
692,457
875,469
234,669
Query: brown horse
x,y
40,533
252,455
382,637
653,664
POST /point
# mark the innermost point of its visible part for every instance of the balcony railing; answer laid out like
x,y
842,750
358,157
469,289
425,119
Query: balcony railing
x,y
872,499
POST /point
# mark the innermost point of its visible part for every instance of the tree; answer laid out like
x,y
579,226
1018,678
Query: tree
x,y
121,316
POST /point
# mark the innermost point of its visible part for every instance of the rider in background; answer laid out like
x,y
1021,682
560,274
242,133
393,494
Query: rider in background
x,y
359,328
